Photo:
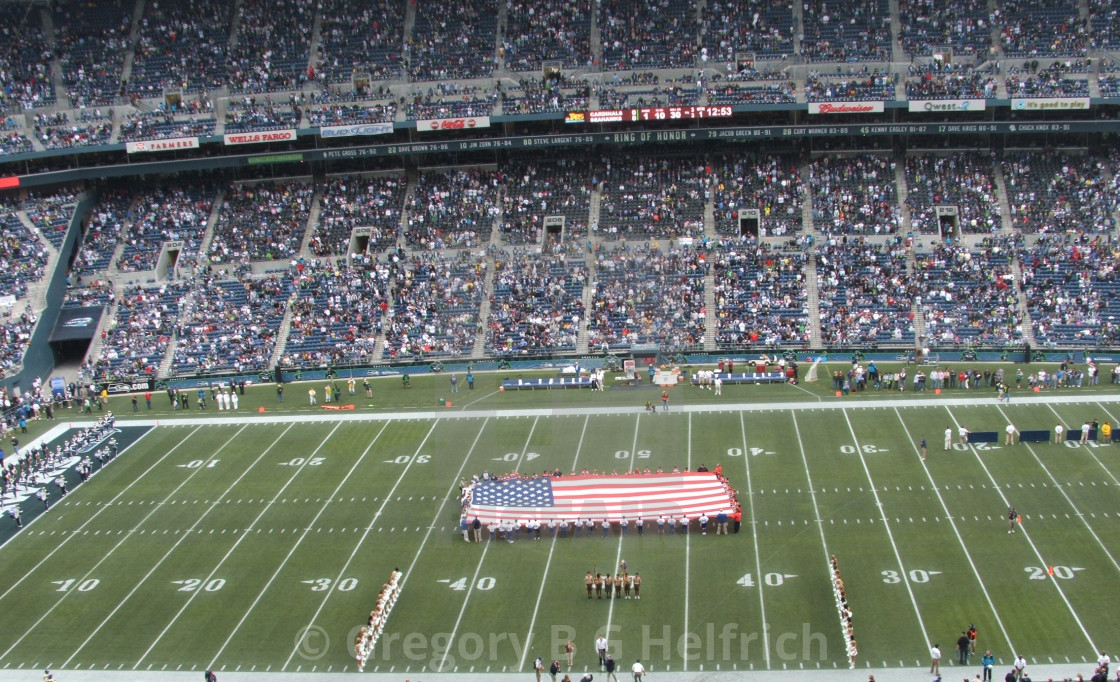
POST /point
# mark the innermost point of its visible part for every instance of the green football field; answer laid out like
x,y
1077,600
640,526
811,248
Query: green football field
x,y
259,542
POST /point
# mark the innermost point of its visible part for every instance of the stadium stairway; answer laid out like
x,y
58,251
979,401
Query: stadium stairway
x,y
813,303
905,226
1028,324
897,54
1001,192
808,227
312,222
711,320
211,223
479,348
919,317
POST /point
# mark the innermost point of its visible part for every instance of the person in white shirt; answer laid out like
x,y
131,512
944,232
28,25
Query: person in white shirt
x,y
1059,434
1019,666
639,670
935,659
963,432
948,438
718,382
1010,438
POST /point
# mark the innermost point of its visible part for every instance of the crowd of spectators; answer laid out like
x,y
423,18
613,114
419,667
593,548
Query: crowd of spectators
x,y
844,32
1031,28
537,31
337,315
347,202
142,323
161,124
92,41
1071,288
960,25
647,197
962,179
644,295
1104,22
854,195
536,305
1056,191
249,114
770,183
731,28
427,106
537,189
24,59
230,325
945,80
102,233
56,131
168,211
760,295
452,41
23,258
261,221
451,208
865,85
533,96
93,293
360,38
754,93
15,335
1051,81
51,214
181,45
639,34
435,311
272,46
968,296
12,139
865,293
348,114
1109,85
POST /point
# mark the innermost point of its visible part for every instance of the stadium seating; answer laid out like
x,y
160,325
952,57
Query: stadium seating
x,y
24,60
436,308
451,208
337,314
273,47
846,32
547,30
162,213
965,180
135,342
1057,191
761,297
261,221
181,46
764,29
535,190
854,195
643,35
363,38
959,25
347,202
652,198
772,184
92,43
865,294
453,41
967,295
536,305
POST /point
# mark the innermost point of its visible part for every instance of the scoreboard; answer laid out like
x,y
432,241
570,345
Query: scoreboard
x,y
649,114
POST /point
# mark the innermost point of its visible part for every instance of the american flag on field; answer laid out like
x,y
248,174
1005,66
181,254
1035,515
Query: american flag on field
x,y
601,497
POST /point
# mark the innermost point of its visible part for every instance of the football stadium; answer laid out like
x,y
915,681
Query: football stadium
x,y
668,340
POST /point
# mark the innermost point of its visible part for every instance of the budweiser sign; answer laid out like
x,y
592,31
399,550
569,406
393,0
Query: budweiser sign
x,y
845,107
161,145
453,123
265,136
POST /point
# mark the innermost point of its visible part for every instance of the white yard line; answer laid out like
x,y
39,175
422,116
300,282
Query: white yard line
x,y
103,507
240,538
298,542
618,555
1107,471
887,526
754,537
687,545
1061,489
967,555
816,514
481,559
369,529
548,562
119,543
1027,537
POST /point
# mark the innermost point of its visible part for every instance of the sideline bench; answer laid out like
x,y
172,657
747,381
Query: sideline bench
x,y
556,382
747,378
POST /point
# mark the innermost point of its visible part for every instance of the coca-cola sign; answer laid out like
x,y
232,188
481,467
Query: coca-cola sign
x,y
466,123
845,107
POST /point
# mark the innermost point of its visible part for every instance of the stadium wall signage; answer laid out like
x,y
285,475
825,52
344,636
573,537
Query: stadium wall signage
x,y
1050,104
257,138
846,107
465,123
170,143
937,105
356,130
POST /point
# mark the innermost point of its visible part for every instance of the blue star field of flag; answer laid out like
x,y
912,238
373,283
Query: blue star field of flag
x,y
536,492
